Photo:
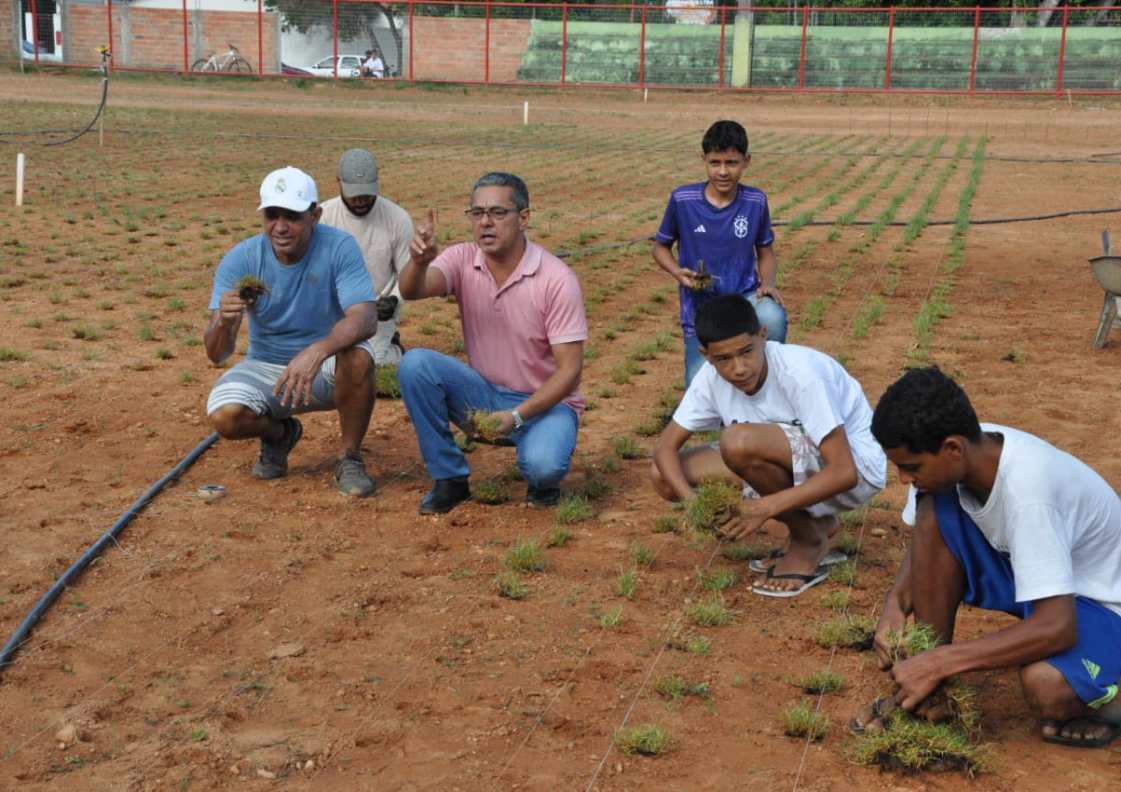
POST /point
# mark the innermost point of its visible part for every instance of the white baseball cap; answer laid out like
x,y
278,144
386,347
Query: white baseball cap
x,y
288,188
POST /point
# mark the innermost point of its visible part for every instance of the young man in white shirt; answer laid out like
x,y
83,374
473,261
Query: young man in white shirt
x,y
795,432
384,232
1004,521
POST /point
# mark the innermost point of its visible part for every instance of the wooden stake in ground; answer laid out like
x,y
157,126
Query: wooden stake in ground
x,y
20,161
525,114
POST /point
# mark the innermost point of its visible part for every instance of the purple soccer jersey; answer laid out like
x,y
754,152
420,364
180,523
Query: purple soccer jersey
x,y
725,239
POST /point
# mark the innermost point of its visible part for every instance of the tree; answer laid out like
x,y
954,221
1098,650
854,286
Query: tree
x,y
356,20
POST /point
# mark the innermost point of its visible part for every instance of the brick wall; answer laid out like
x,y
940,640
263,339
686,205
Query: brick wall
x,y
155,36
8,50
447,48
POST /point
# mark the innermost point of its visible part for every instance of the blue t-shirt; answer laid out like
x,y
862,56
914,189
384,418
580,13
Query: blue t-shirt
x,y
725,239
305,300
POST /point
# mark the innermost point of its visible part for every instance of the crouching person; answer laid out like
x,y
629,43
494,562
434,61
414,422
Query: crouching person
x,y
794,433
523,329
1004,521
310,307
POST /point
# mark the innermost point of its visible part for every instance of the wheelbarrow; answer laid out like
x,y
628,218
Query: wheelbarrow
x,y
1107,271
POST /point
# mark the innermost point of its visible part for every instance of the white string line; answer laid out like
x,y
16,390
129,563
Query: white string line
x,y
833,653
875,607
649,672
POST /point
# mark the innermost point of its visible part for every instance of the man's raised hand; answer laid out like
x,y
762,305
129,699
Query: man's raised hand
x,y
424,247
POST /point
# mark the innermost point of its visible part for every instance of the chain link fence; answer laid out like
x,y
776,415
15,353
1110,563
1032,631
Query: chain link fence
x,y
938,50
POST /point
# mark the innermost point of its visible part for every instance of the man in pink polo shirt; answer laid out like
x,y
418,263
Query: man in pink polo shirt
x,y
523,329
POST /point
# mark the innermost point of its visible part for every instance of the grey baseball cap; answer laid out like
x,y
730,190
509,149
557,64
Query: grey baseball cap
x,y
358,173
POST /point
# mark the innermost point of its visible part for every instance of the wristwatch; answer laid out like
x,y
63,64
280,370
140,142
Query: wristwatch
x,y
519,422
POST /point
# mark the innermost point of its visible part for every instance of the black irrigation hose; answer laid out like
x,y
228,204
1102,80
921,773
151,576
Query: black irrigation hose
x,y
984,221
100,109
43,605
591,250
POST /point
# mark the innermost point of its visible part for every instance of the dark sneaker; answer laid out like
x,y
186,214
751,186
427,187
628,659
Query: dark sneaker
x,y
445,495
352,478
396,341
543,497
273,462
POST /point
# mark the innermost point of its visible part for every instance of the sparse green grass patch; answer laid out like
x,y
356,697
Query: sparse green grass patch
x,y
799,720
822,682
525,556
710,612
644,740
849,631
573,509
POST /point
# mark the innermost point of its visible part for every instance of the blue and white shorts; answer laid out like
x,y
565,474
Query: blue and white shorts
x,y
806,460
1092,667
250,383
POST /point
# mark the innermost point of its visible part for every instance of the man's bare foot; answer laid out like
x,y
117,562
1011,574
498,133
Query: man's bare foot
x,y
1081,732
800,558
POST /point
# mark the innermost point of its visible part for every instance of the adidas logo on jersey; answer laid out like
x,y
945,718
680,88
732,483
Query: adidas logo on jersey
x,y
699,229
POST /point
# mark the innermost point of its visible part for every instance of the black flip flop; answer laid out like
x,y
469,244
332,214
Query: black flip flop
x,y
1113,732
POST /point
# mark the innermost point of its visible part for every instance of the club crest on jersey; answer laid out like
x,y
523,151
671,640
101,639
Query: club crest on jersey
x,y
740,226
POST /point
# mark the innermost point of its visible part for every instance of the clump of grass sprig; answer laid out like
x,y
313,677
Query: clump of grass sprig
x,y
799,720
386,385
485,425
850,631
490,491
713,504
645,740
913,745
675,688
250,288
710,612
573,509
510,585
525,556
822,682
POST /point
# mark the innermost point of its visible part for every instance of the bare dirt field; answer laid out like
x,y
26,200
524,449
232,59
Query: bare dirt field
x,y
287,637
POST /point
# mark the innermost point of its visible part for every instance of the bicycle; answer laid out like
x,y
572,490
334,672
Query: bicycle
x,y
232,61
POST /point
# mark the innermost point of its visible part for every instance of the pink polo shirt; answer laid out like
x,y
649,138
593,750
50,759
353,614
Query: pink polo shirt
x,y
508,332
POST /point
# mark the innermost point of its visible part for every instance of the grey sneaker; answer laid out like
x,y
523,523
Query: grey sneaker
x,y
273,462
352,478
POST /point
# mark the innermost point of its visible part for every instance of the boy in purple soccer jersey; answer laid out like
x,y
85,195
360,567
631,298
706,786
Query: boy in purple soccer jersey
x,y
727,225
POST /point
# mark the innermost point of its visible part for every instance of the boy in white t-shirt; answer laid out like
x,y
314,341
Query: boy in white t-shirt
x,y
1004,521
795,432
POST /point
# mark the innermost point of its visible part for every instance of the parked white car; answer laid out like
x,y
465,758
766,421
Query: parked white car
x,y
349,66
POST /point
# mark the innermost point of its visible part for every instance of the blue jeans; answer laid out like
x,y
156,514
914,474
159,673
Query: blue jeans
x,y
771,315
438,390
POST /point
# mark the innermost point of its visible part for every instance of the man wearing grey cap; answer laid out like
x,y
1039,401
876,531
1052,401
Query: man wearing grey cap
x,y
307,296
384,232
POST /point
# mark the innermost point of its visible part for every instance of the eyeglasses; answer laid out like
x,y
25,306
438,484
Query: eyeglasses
x,y
477,213
275,213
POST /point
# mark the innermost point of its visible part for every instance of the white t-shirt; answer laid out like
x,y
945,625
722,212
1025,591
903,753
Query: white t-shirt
x,y
384,235
802,386
1055,517
375,66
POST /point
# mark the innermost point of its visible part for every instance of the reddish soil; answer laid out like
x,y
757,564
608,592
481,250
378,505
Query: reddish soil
x,y
286,636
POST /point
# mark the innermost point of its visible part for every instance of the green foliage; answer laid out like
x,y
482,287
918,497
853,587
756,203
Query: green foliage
x,y
8,355
386,385
822,682
665,523
627,584
573,509
675,688
642,555
713,504
611,619
836,600
626,448
849,631
490,491
710,612
912,745
718,579
799,720
558,537
525,556
744,551
690,644
645,740
510,585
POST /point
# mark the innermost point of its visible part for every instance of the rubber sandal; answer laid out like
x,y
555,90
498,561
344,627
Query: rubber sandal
x,y
1113,732
819,575
761,565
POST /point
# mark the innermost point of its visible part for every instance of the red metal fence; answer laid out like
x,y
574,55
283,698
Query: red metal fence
x,y
930,50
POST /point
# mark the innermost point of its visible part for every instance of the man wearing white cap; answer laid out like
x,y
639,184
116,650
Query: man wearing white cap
x,y
384,232
310,306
